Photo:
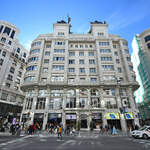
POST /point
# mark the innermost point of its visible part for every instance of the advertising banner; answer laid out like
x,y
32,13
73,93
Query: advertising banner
x,y
112,116
129,115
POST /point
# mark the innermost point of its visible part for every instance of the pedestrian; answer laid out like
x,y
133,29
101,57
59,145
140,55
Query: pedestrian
x,y
114,131
59,132
101,129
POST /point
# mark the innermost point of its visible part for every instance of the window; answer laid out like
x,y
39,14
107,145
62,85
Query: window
x,y
4,96
18,50
92,70
40,103
82,79
109,92
36,44
28,104
81,61
81,46
114,46
42,92
117,61
147,38
119,70
71,53
116,53
24,55
12,34
124,43
61,33
128,59
1,61
71,102
71,80
83,102
103,43
29,78
130,68
106,58
105,50
76,46
91,53
71,61
82,70
81,53
33,59
44,79
7,30
10,77
31,68
56,78
91,61
45,69
100,34
91,46
93,79
59,43
126,51
47,53
34,51
3,39
71,70
108,67
58,67
48,46
59,50
55,103
12,70
1,28
133,78
148,45
8,85
46,61
19,73
58,58
9,42
86,46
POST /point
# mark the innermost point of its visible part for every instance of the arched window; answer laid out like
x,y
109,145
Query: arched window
x,y
71,99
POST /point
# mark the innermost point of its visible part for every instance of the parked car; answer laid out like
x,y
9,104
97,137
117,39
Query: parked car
x,y
143,132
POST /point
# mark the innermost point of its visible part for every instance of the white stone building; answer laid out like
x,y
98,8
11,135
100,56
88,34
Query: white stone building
x,y
80,79
13,58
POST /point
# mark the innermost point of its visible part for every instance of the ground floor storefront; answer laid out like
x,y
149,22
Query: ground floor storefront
x,y
84,120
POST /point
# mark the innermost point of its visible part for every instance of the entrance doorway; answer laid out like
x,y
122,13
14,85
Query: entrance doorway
x,y
115,123
38,120
84,123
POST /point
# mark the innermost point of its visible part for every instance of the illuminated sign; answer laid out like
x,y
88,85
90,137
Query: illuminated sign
x,y
129,115
112,116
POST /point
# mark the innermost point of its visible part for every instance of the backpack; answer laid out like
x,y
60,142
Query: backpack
x,y
59,129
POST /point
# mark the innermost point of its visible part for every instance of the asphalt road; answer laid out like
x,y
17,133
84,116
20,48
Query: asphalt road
x,y
44,142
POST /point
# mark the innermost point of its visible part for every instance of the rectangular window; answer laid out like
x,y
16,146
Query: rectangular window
x,y
103,43
91,61
40,103
34,51
71,61
128,59
58,58
116,53
93,79
59,43
12,70
130,68
46,61
36,44
100,34
82,70
92,70
45,69
71,53
61,33
71,70
47,53
24,55
48,46
57,78
30,78
12,34
3,39
1,61
10,77
117,61
108,67
58,67
81,61
105,50
1,28
59,50
91,53
4,96
106,58
81,53
7,30
31,68
119,70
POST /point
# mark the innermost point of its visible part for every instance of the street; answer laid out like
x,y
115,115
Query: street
x,y
87,142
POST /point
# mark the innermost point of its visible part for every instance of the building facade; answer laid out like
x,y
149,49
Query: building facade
x,y
12,68
141,62
80,79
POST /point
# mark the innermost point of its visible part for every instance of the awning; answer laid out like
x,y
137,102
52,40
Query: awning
x,y
112,116
129,115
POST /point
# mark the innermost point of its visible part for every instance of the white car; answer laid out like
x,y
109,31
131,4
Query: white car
x,y
143,132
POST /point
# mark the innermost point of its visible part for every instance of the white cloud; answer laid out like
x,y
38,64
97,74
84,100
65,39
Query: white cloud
x,y
27,45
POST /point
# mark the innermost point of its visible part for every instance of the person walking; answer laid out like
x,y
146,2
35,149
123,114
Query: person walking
x,y
59,132
114,131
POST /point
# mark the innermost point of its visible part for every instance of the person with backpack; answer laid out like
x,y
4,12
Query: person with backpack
x,y
59,132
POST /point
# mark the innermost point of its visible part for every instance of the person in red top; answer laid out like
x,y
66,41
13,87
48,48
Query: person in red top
x,y
34,128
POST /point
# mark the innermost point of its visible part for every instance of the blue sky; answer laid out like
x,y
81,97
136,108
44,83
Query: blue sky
x,y
34,17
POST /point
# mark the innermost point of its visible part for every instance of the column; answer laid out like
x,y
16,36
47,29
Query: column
x,y
133,106
122,117
63,108
89,107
